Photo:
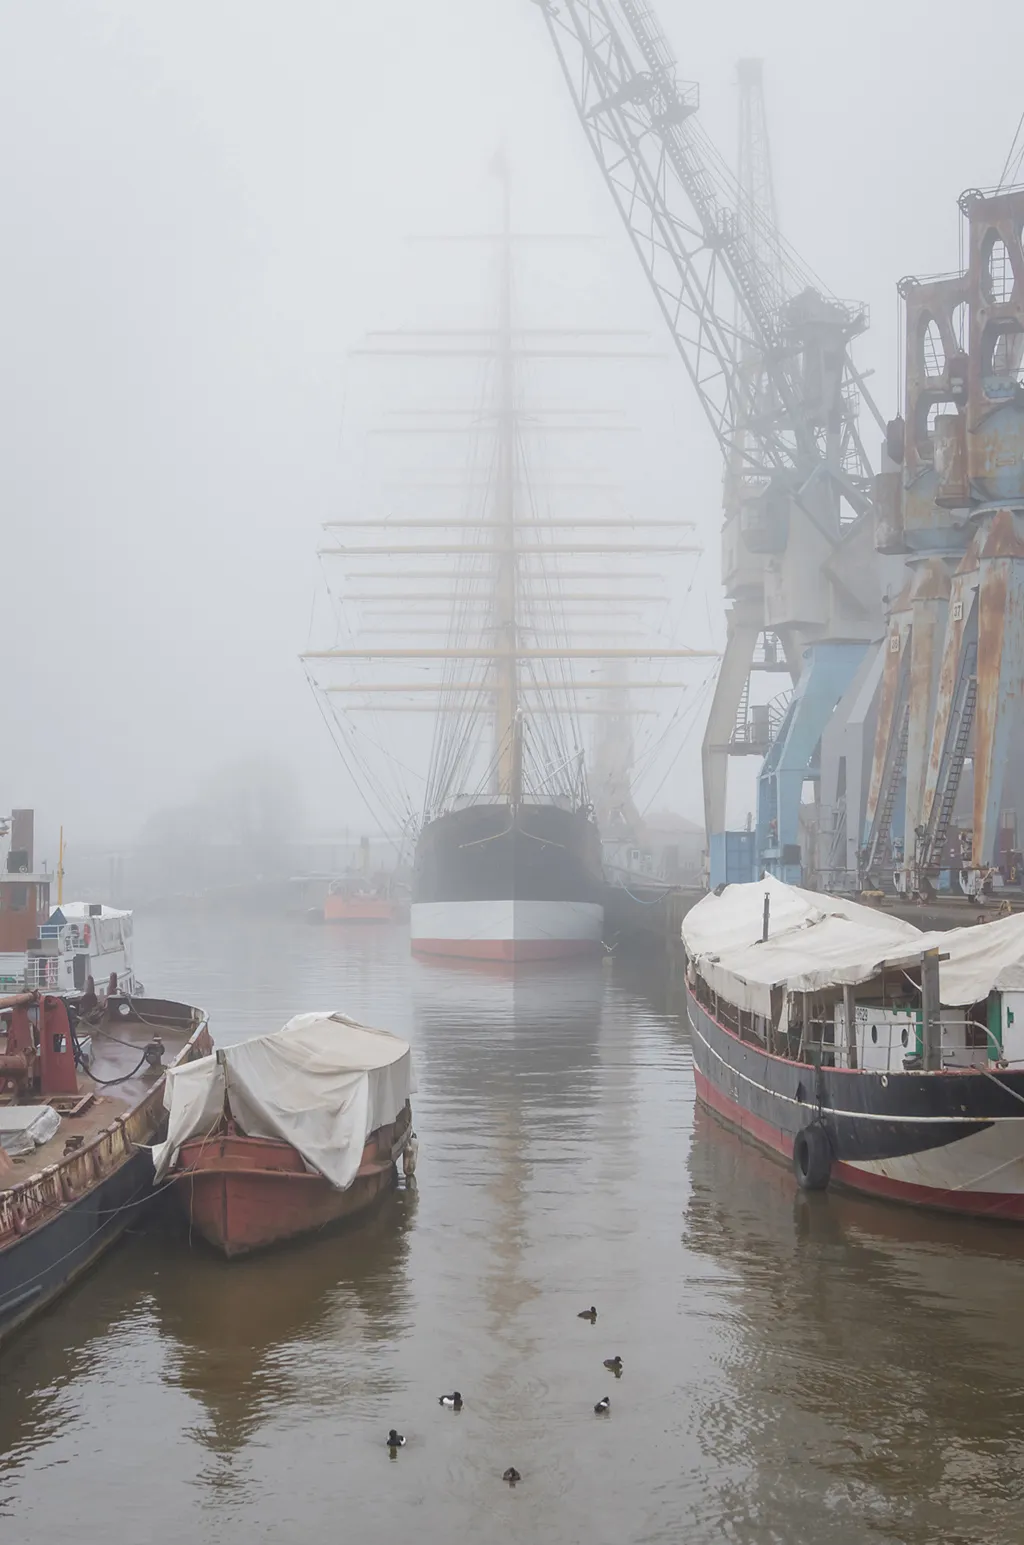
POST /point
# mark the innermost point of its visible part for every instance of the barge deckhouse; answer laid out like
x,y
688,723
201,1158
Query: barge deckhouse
x,y
868,1053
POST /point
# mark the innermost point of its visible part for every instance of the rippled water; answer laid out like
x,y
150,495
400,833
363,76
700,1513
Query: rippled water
x,y
797,1369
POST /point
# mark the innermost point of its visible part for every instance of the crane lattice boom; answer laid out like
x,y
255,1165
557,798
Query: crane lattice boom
x,y
679,203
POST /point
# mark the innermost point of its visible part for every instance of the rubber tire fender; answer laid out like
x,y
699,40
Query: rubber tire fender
x,y
812,1157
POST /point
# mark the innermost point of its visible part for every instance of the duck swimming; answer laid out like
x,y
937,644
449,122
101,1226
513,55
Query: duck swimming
x,y
588,1314
395,1439
603,1406
614,1363
511,1475
452,1401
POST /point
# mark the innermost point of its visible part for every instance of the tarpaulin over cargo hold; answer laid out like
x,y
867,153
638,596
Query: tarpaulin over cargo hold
x,y
983,958
815,941
322,1084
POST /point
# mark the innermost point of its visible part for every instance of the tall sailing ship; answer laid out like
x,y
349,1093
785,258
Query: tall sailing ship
x,y
507,859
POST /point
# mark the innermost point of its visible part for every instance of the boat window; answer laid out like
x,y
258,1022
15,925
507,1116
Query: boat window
x,y
18,896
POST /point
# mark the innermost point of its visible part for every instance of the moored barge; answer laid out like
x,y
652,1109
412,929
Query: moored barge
x,y
282,1134
81,1098
867,1053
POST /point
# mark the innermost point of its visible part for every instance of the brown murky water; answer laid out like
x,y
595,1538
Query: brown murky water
x,y
796,1369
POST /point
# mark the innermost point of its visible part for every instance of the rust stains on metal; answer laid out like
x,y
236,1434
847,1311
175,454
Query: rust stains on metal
x,y
992,598
896,640
932,352
1002,537
969,562
995,438
962,599
931,581
931,594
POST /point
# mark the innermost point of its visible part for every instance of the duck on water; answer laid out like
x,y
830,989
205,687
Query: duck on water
x,y
866,1052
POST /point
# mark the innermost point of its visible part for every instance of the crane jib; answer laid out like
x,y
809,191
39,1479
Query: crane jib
x,y
698,242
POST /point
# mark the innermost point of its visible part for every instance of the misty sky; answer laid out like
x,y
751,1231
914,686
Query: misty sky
x,y
204,207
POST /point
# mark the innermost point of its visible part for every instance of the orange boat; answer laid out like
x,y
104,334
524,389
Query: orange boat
x,y
356,900
285,1133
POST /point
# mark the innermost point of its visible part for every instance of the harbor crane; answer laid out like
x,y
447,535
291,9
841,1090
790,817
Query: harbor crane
x,y
768,352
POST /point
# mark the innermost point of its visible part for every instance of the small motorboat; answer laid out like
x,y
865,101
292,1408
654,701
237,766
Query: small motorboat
x,y
285,1133
360,899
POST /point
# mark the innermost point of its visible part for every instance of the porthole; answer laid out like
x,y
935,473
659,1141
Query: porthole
x,y
874,1035
904,1036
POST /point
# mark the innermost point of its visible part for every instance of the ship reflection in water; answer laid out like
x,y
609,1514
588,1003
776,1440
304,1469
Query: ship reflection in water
x,y
873,1369
795,1368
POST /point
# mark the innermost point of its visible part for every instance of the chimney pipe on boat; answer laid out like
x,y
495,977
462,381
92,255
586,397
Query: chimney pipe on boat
x,y
764,919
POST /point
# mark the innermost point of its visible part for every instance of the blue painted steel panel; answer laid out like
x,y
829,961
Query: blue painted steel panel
x,y
732,858
828,669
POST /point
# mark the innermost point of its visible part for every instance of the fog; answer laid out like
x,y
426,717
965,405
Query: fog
x,y
206,207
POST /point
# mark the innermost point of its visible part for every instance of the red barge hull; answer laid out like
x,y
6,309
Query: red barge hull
x,y
952,1141
249,1193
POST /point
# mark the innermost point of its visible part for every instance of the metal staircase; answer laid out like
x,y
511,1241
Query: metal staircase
x,y
741,728
954,755
881,833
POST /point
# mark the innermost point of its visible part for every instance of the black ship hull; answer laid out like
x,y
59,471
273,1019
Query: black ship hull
x,y
952,1140
496,883
58,1220
35,1269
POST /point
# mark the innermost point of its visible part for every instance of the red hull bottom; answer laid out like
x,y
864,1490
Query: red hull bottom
x,y
981,1204
247,1193
507,949
359,912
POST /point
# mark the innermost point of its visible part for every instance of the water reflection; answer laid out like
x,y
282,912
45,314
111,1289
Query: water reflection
x,y
796,1369
292,1327
528,1035
870,1363
510,1055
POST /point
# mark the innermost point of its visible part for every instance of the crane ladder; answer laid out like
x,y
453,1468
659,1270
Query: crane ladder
x,y
958,735
883,820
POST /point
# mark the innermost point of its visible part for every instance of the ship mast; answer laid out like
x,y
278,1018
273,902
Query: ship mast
x,y
483,602
507,724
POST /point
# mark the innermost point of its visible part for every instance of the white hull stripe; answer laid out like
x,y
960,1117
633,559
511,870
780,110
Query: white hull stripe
x,y
989,1161
513,920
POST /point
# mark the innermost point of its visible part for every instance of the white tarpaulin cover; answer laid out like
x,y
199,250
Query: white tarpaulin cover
x,y
323,1084
816,941
24,1128
982,958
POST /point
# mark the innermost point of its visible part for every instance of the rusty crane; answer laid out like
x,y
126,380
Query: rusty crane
x,y
767,351
946,780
